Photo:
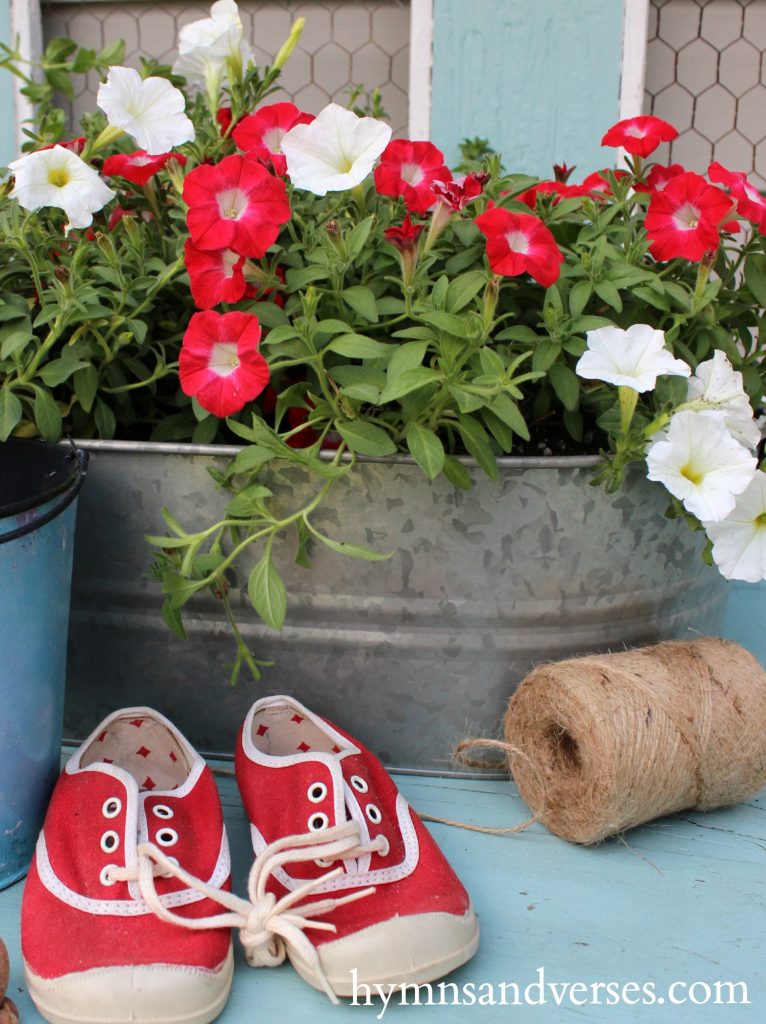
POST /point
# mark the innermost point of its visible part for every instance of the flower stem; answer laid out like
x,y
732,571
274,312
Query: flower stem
x,y
628,400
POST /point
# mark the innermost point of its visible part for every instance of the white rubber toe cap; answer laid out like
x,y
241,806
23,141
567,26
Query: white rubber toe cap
x,y
400,951
146,994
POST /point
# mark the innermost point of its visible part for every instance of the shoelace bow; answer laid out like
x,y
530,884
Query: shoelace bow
x,y
267,925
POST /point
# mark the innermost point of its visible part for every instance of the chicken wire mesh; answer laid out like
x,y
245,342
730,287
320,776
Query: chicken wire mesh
x,y
706,74
345,43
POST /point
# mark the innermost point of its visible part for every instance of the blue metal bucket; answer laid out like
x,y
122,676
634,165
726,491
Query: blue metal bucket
x,y
39,484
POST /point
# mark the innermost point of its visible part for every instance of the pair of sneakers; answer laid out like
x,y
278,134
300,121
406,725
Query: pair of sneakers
x,y
128,910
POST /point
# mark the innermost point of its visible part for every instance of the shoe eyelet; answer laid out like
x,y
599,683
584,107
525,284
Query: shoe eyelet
x,y
111,807
316,793
104,875
384,847
318,821
162,811
359,784
110,841
167,837
322,863
373,813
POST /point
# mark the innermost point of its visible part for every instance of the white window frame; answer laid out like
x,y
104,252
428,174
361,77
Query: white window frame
x,y
421,67
27,30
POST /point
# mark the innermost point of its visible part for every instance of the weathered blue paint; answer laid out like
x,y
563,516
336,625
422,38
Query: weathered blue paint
x,y
681,900
539,78
745,620
7,119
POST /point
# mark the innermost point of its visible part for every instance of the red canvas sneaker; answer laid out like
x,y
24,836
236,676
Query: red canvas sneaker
x,y
347,880
117,923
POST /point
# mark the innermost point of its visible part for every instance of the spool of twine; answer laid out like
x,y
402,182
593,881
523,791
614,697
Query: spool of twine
x,y
597,745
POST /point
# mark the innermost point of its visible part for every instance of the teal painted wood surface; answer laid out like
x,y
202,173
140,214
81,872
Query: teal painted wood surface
x,y
745,620
539,78
7,122
682,900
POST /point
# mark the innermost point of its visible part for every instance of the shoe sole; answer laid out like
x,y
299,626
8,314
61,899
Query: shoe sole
x,y
390,953
144,994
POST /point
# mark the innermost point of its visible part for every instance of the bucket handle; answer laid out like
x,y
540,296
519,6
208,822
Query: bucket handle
x,y
69,496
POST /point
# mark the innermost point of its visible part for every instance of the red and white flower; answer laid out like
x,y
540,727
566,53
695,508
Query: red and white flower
x,y
459,193
685,218
138,167
640,136
220,364
215,275
235,204
750,203
659,176
404,237
518,243
260,134
408,169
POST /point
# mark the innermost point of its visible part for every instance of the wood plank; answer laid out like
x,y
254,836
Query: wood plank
x,y
681,900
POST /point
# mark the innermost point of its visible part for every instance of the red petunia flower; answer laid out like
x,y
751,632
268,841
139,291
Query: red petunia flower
x,y
558,189
408,169
597,184
223,117
640,135
235,204
138,167
75,146
220,364
684,219
260,134
518,243
405,237
658,177
750,203
459,193
563,172
215,275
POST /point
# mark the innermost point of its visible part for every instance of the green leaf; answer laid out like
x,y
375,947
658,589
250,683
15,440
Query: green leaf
x,y
333,327
406,357
545,355
506,409
269,314
457,473
357,237
172,618
249,459
463,289
439,293
466,402
477,444
358,346
178,589
362,301
267,592
249,501
566,385
608,293
426,449
85,386
447,322
205,431
519,333
286,332
10,413
755,276
352,550
14,336
409,380
106,423
365,438
58,370
47,415
298,278
491,363
579,297
501,432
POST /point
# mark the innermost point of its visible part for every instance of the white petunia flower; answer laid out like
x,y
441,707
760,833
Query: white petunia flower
x,y
634,358
701,464
58,177
717,385
335,152
149,109
207,47
739,542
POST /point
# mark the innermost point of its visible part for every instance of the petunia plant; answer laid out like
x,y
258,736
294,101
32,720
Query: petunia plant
x,y
207,262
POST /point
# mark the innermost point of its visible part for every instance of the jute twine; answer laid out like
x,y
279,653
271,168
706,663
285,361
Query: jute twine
x,y
597,745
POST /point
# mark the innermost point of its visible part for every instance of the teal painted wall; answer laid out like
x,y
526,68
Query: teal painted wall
x,y
746,618
7,120
539,78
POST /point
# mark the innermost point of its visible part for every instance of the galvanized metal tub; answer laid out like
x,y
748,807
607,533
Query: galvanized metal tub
x,y
410,654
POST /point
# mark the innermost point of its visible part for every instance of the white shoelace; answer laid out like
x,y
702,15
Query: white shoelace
x,y
267,926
